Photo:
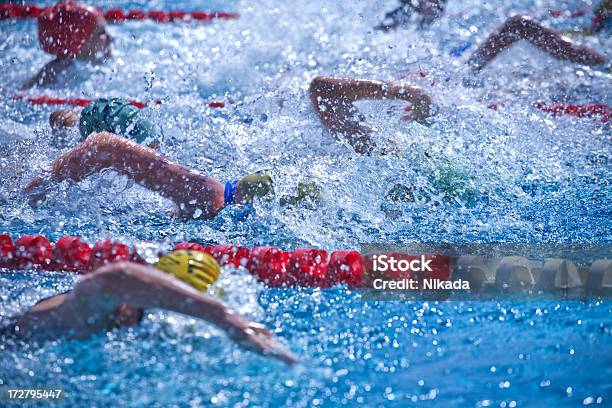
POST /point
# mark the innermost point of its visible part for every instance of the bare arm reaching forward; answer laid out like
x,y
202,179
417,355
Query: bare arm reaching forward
x,y
189,189
332,99
91,305
523,28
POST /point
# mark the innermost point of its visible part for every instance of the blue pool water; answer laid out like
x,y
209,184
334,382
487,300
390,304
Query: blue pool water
x,y
531,178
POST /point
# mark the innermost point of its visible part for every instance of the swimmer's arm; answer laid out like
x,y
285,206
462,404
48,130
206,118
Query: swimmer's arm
x,y
189,189
88,308
48,74
333,98
332,101
347,89
523,28
340,91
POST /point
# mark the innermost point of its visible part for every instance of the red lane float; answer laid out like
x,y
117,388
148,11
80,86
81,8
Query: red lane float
x,y
115,15
192,246
307,267
345,267
599,111
82,102
269,265
496,105
7,250
18,11
556,13
33,250
229,254
592,110
108,251
73,254
275,267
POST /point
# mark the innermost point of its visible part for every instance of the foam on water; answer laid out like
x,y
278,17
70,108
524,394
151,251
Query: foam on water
x,y
515,174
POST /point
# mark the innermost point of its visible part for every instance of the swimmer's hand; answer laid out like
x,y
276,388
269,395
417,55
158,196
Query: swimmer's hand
x,y
307,192
38,189
63,118
258,338
254,185
357,134
409,114
420,102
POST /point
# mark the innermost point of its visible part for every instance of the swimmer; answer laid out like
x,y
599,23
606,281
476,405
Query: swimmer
x,y
110,130
332,99
523,28
196,195
428,11
116,295
115,115
70,31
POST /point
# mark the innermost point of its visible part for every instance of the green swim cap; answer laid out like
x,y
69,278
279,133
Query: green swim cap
x,y
115,115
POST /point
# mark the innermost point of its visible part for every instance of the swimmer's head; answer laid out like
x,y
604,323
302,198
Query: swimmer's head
x,y
195,268
73,30
258,184
118,116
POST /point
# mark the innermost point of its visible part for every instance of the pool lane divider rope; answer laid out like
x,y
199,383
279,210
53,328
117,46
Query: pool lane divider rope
x,y
301,267
591,110
599,111
306,267
25,11
51,101
12,11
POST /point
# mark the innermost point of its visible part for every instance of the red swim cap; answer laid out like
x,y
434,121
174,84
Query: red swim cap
x,y
63,29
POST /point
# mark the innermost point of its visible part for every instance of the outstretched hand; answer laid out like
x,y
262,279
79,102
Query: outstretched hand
x,y
37,189
256,337
420,102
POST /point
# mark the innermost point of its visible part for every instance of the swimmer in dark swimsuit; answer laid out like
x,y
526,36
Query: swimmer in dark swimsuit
x,y
428,11
115,296
70,31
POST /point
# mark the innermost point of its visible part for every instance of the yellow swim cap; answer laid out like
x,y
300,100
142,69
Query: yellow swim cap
x,y
195,268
